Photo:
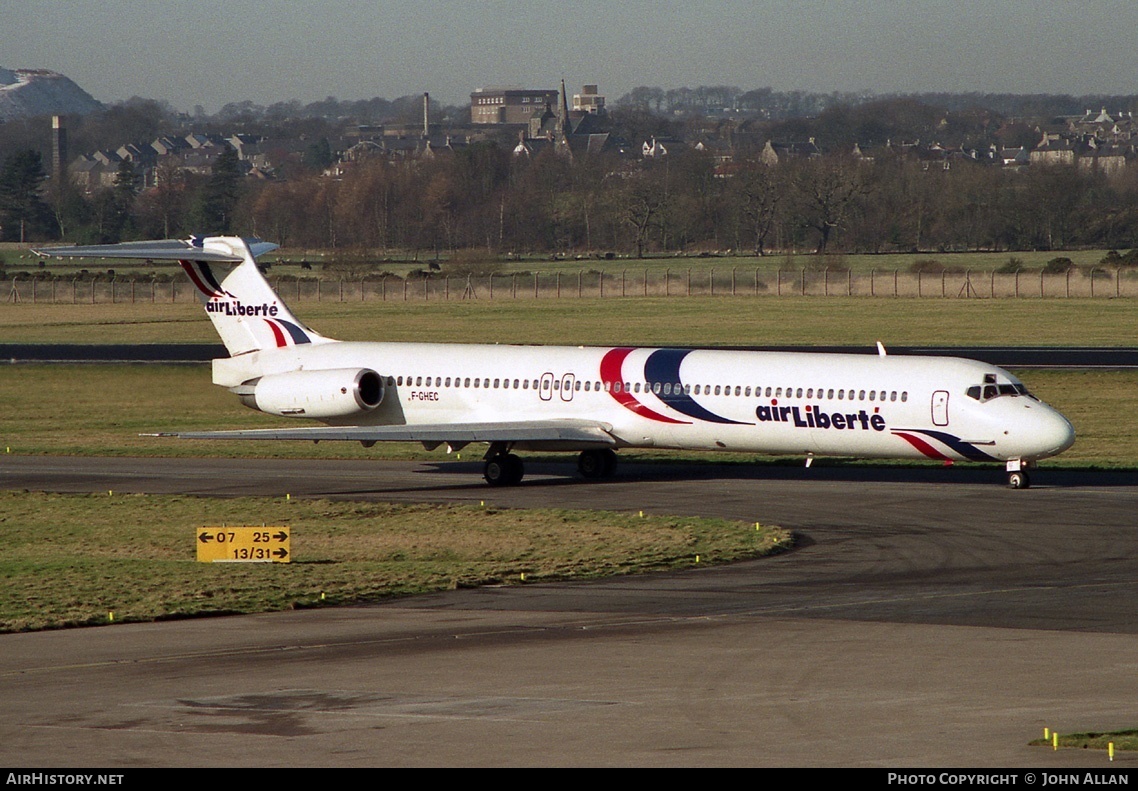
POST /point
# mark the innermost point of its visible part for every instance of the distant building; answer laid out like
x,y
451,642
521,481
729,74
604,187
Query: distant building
x,y
58,148
1014,157
589,101
1053,149
653,150
1105,158
509,105
774,152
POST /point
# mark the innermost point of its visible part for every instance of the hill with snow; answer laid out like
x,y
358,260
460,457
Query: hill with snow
x,y
29,92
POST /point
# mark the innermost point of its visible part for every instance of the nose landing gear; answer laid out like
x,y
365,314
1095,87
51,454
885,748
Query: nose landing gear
x,y
1017,474
1018,480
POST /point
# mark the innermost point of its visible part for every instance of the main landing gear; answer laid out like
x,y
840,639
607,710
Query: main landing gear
x,y
597,463
503,468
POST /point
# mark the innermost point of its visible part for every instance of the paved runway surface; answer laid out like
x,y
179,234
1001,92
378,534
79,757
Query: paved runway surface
x,y
927,618
1005,356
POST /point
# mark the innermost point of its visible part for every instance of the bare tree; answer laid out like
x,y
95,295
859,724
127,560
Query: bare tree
x,y
828,189
757,191
643,203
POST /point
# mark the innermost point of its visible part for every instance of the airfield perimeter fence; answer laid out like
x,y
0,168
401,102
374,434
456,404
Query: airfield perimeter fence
x,y
627,283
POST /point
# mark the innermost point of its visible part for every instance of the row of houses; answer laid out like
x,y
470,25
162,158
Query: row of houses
x,y
1082,151
1096,141
194,153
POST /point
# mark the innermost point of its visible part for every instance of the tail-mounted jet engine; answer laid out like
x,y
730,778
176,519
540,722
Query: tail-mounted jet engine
x,y
340,392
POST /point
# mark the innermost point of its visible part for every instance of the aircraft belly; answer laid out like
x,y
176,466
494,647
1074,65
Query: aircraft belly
x,y
854,442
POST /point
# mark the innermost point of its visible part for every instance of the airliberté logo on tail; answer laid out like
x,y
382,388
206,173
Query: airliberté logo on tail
x,y
234,307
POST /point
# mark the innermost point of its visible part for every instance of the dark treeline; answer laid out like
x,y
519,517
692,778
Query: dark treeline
x,y
483,197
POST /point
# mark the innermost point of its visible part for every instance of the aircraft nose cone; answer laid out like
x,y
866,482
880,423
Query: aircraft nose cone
x,y
1056,434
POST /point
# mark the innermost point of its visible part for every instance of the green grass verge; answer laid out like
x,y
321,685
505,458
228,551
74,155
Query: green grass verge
x,y
1125,740
70,560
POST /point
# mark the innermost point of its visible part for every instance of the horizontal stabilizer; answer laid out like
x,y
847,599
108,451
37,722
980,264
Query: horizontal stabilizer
x,y
582,432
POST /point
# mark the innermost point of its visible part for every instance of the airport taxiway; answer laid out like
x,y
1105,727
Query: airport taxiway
x,y
928,617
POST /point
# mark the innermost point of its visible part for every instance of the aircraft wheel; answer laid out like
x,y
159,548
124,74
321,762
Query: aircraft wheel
x,y
610,462
597,463
515,468
503,470
496,471
1018,480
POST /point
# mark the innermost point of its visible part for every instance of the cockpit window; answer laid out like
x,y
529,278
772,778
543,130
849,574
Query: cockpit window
x,y
990,390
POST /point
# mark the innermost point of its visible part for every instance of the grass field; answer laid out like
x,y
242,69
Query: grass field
x,y
686,321
69,560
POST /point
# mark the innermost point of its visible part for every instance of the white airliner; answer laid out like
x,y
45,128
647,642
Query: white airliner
x,y
593,400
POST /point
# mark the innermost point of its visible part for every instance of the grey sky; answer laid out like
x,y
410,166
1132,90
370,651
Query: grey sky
x,y
210,52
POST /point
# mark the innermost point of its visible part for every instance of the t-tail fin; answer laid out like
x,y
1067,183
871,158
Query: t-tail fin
x,y
245,311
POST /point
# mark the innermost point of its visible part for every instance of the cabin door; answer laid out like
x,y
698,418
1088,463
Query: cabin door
x,y
546,391
568,382
940,408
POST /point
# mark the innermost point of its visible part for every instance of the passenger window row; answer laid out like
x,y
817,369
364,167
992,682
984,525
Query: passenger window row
x,y
829,394
663,388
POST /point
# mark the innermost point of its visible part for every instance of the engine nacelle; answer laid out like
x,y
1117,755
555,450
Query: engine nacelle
x,y
339,392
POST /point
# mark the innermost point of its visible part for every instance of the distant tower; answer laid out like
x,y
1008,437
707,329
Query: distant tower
x,y
564,113
426,114
58,148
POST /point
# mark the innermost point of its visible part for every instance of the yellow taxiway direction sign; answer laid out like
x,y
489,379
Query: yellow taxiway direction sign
x,y
244,545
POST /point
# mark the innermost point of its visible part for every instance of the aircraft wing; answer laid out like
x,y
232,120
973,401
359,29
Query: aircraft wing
x,y
579,433
163,250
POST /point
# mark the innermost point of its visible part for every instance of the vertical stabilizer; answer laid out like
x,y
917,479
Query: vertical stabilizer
x,y
246,312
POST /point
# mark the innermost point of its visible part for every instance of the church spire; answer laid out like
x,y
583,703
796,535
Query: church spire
x,y
565,125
